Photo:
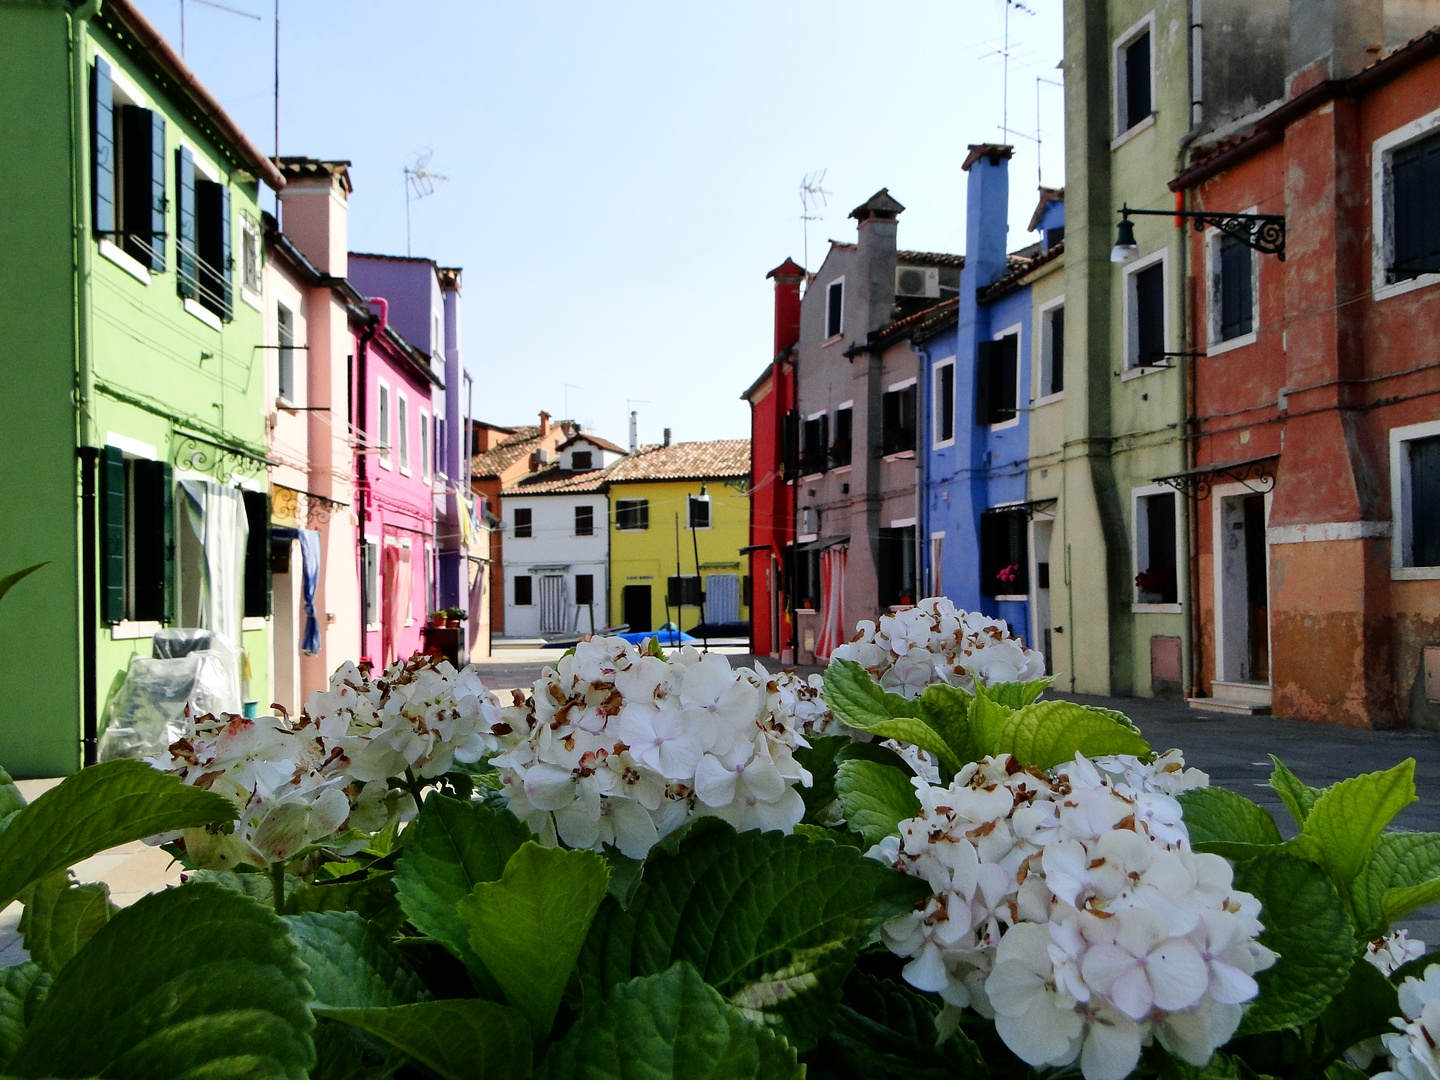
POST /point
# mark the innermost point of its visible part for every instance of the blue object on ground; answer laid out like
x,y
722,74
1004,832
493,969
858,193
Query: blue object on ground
x,y
664,637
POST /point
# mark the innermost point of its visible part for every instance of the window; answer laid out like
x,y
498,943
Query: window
x,y
1052,349
632,514
584,588
1004,552
897,566
522,523
897,420
1054,237
1232,288
944,398
128,201
382,408
699,515
835,308
684,591
1415,499
584,521
805,579
1415,233
402,429
370,567
249,253
258,581
437,341
1134,78
580,460
997,377
523,596
285,333
1156,579
202,252
1145,313
424,443
814,444
844,427
137,538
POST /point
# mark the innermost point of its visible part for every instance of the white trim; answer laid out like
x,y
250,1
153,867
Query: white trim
x,y
204,314
121,81
202,166
1214,307
1322,531
1013,598
935,369
901,385
845,405
940,535
805,538
1400,566
817,415
254,622
829,337
902,523
384,421
1382,219
1040,347
1218,495
123,259
427,437
1144,125
125,630
1015,329
1119,76
1157,609
1129,324
402,430
133,447
1136,494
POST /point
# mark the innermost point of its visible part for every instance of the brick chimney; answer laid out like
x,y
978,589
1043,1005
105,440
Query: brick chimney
x,y
544,422
788,276
314,204
876,248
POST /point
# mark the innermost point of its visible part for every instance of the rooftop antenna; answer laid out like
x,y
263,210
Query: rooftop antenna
x,y
208,3
1005,55
813,199
420,181
1039,161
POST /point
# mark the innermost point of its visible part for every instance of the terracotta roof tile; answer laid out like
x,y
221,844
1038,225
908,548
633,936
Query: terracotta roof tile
x,y
685,461
498,458
928,258
591,437
558,481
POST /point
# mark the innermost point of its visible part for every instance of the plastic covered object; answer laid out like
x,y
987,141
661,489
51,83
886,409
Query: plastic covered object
x,y
147,714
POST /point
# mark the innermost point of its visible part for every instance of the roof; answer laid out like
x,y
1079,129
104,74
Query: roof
x,y
122,16
1019,270
558,481
1048,195
308,168
882,206
391,258
921,324
501,456
789,268
716,459
928,258
591,437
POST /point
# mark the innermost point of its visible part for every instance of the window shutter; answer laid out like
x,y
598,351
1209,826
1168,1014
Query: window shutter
x,y
644,513
258,581
823,446
226,264
148,509
1004,391
167,519
112,534
158,200
1425,502
186,271
984,361
1057,350
791,448
102,148
1019,524
1415,174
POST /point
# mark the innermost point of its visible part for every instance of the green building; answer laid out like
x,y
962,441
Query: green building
x,y
133,390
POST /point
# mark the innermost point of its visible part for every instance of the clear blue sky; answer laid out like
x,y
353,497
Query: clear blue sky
x,y
622,175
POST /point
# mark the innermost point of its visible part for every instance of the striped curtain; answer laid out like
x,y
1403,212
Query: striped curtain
x,y
832,593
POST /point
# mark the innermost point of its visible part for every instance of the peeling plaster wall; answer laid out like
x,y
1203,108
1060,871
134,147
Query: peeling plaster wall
x,y
1245,57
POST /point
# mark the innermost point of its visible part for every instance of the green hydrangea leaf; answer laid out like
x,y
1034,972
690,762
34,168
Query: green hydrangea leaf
x,y
198,981
352,965
773,922
10,798
1306,925
918,733
885,1029
1017,694
858,700
1224,823
117,802
457,1039
1363,1009
1402,875
529,926
60,917
823,757
836,836
22,989
946,708
451,847
371,896
875,798
1343,1070
1341,829
669,1026
1297,797
1051,732
987,720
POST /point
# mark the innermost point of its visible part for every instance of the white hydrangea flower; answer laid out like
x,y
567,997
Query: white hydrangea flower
x,y
1069,906
935,641
1412,1047
1393,951
619,746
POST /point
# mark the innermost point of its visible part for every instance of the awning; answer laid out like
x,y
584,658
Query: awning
x,y
748,548
1028,507
823,543
1256,474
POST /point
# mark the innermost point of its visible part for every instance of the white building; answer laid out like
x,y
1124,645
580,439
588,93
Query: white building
x,y
557,543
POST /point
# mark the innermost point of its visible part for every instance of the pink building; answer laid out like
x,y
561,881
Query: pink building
x,y
395,467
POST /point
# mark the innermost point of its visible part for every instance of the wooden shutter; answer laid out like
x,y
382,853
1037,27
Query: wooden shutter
x,y
258,581
791,449
984,362
1018,523
112,534
186,272
151,506
1415,177
1004,389
946,413
167,517
159,203
644,508
102,148
226,262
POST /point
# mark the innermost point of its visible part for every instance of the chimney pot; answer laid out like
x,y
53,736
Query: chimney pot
x,y
667,436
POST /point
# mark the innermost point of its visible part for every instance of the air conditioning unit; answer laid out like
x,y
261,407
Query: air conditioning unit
x,y
544,455
917,281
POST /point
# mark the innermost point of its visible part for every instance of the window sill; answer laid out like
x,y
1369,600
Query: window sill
x,y
1415,573
1156,609
1125,136
807,611
944,444
1216,348
404,470
1048,399
131,265
805,479
902,455
841,470
204,314
832,339
251,297
1004,424
384,463
131,631
805,538
254,622
1400,288
1014,598
1141,372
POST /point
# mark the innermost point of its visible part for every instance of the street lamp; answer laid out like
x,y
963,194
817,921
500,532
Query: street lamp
x,y
1263,232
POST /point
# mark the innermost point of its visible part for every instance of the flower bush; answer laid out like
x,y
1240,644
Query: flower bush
x,y
661,865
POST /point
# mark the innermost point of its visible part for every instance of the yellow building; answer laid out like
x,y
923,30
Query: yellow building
x,y
680,511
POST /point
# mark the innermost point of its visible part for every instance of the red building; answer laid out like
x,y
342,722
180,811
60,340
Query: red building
x,y
1315,399
772,491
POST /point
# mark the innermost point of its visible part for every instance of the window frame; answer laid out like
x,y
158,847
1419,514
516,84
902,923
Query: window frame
x,y
829,307
1130,312
1044,355
423,441
1014,330
402,430
1008,511
383,421
1140,540
285,353
911,384
1382,247
1214,313
370,569
640,507
1119,84
1401,516
937,403
528,524
589,465
589,515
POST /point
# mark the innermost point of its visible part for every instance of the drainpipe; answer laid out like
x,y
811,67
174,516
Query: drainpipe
x,y
84,377
926,407
1191,648
362,487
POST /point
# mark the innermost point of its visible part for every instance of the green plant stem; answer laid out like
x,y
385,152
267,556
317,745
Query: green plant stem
x,y
414,786
277,885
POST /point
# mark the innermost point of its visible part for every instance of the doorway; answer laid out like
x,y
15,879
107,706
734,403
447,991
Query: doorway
x,y
554,605
722,598
635,606
288,622
1041,531
1242,586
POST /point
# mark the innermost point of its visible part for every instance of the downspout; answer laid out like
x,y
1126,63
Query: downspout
x,y
924,439
1191,644
84,379
362,486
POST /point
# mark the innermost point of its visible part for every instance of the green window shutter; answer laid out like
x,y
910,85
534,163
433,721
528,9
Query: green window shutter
x,y
258,583
102,148
112,534
158,201
226,262
186,271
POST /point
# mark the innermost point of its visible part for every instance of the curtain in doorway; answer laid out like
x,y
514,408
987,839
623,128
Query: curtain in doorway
x,y
832,593
310,578
216,513
395,596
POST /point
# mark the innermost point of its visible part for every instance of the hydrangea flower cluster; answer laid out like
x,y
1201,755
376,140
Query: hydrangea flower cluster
x,y
1069,907
1393,951
620,746
311,780
935,641
1413,1046
800,698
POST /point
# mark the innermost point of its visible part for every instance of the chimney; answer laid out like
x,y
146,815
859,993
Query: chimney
x,y
987,210
634,431
314,204
667,436
876,262
788,276
544,422
1338,32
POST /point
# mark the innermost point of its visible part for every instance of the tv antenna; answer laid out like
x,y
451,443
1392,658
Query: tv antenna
x,y
1005,54
209,3
420,181
813,199
1039,162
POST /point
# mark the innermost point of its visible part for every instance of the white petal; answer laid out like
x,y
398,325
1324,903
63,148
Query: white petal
x,y
927,971
1178,975
1112,1049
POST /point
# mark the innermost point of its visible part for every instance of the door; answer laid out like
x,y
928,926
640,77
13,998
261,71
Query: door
x,y
1242,588
288,623
722,598
1257,588
554,605
635,601
1040,592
